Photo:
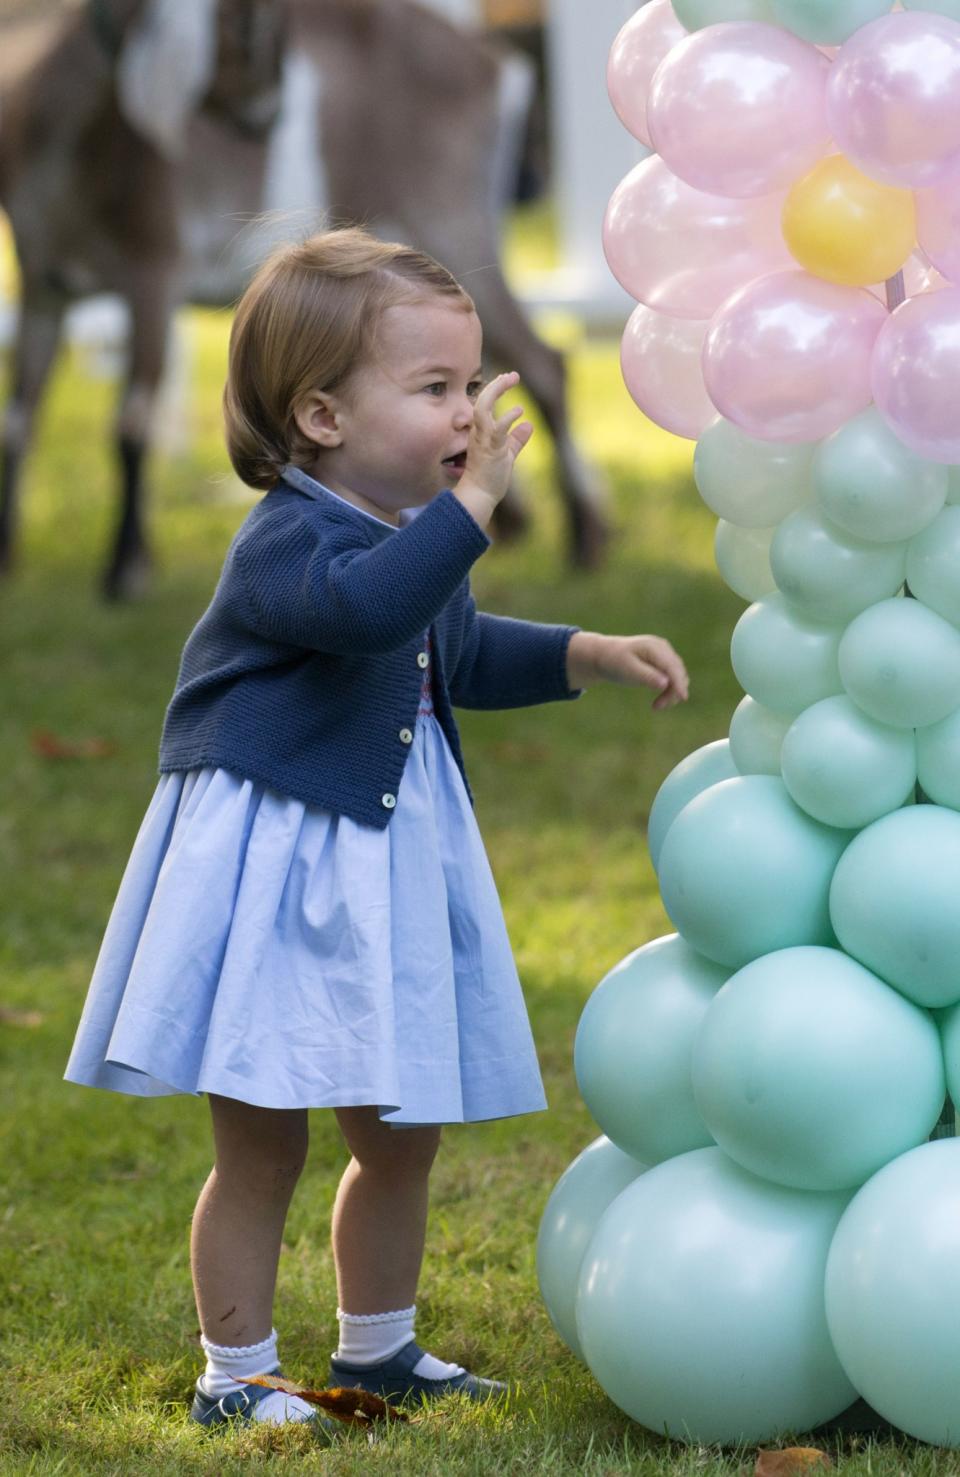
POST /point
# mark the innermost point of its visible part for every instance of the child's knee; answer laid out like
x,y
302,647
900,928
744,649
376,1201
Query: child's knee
x,y
259,1146
378,1147
413,1149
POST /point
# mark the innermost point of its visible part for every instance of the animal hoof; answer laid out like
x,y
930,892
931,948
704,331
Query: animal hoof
x,y
128,581
510,520
590,538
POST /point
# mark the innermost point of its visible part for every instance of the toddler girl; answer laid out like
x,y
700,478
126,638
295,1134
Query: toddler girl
x,y
308,919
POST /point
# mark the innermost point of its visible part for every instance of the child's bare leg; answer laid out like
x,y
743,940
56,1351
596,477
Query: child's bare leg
x,y
239,1219
379,1225
380,1214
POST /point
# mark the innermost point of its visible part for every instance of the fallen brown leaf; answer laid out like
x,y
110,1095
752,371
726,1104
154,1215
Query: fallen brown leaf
x,y
353,1407
790,1461
50,746
20,1017
511,751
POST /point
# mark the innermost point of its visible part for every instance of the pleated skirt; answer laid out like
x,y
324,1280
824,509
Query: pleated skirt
x,y
273,952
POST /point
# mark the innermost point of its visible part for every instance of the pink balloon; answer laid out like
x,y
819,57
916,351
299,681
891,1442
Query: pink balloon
x,y
787,358
938,226
893,99
638,49
683,251
916,374
660,360
739,108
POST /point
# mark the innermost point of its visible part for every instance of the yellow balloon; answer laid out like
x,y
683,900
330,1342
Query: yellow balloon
x,y
844,226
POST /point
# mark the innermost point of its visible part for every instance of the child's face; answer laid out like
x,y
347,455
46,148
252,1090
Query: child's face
x,y
402,420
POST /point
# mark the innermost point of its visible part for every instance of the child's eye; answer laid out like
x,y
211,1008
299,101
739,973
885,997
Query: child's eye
x,y
474,388
437,388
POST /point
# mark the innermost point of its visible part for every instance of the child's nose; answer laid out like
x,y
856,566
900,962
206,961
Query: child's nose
x,y
463,415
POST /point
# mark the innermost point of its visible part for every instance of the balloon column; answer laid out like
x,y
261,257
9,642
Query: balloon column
x,y
764,1232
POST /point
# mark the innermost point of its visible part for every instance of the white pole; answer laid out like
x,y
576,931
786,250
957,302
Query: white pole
x,y
592,151
461,12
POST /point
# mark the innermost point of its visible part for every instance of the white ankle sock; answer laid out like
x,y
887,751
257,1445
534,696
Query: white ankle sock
x,y
370,1338
229,1363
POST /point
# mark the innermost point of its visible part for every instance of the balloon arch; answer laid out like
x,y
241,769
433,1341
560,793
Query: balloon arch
x,y
765,1232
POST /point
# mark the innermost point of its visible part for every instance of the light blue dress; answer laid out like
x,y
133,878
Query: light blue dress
x,y
273,952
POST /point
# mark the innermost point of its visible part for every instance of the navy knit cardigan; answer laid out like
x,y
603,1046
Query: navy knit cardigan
x,y
304,673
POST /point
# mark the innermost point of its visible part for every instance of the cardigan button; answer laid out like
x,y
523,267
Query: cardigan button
x,y
406,737
423,659
388,801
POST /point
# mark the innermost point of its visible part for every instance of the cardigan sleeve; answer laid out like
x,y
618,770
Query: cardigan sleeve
x,y
332,594
506,663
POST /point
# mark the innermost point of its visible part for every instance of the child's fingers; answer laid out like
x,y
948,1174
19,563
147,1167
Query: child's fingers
x,y
676,673
519,436
670,684
492,391
647,675
502,423
660,654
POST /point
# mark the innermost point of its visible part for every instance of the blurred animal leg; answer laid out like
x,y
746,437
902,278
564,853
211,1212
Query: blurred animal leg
x,y
38,335
511,341
128,571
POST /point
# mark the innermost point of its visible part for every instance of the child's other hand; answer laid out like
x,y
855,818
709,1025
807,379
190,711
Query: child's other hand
x,y
495,442
637,661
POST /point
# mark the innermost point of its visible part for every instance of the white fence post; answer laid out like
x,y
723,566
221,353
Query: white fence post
x,y
461,12
592,151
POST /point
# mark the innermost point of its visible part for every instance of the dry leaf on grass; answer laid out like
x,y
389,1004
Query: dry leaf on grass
x,y
353,1407
28,1018
512,751
49,746
791,1461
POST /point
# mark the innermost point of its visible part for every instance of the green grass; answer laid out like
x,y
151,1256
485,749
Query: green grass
x,y
99,1340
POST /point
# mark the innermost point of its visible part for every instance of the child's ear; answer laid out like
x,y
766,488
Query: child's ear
x,y
318,418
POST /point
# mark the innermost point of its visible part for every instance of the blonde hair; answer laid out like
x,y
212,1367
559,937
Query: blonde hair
x,y
309,318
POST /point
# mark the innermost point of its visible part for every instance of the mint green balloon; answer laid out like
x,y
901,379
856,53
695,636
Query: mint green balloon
x,y
744,871
748,482
827,574
949,1023
828,22
893,902
783,659
581,1195
893,1290
793,1067
933,565
872,486
938,760
756,737
694,14
939,7
900,662
633,1046
700,1306
743,559
846,769
706,766
953,485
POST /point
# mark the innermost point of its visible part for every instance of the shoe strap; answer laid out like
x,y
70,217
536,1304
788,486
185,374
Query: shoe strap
x,y
244,1398
404,1360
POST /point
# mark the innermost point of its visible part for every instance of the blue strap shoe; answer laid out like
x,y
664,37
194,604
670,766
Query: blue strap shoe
x,y
238,1405
394,1379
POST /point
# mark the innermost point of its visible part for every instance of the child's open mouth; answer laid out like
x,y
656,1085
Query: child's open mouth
x,y
455,463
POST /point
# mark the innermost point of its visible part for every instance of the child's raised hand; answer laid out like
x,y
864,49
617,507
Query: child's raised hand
x,y
494,444
637,661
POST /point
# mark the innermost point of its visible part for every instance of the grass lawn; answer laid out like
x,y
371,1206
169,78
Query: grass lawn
x,y
99,1345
